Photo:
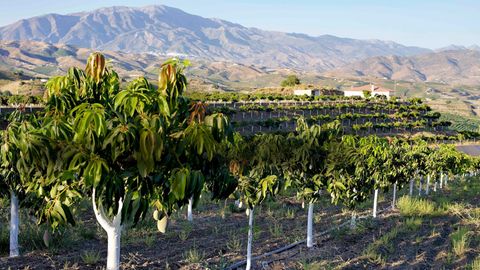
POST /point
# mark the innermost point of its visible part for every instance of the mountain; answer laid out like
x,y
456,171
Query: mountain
x,y
45,60
450,66
169,31
454,47
37,59
474,48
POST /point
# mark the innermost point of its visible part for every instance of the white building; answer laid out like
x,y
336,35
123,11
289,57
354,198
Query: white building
x,y
308,92
374,91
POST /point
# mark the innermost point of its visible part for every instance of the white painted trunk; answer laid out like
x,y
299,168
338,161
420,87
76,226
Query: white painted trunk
x,y
435,186
411,187
113,255
250,240
14,224
446,180
310,226
427,189
441,180
375,202
189,211
353,221
114,232
420,186
394,195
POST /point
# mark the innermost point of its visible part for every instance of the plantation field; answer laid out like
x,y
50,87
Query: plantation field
x,y
104,170
439,231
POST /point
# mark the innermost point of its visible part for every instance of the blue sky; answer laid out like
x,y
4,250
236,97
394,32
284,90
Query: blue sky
x,y
426,23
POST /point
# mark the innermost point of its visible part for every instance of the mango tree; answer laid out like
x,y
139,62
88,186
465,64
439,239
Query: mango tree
x,y
436,163
11,184
256,163
375,155
456,163
307,154
398,166
346,179
123,146
24,149
210,134
418,154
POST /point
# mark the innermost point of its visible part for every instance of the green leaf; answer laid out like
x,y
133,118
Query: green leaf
x,y
179,184
58,209
68,215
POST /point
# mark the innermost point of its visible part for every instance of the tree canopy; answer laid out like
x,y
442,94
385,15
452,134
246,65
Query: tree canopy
x,y
290,81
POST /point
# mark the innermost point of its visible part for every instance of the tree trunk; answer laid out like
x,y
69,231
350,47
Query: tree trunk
x,y
113,255
446,180
189,211
427,189
353,221
114,232
394,195
411,187
441,180
250,240
14,224
420,186
375,202
310,226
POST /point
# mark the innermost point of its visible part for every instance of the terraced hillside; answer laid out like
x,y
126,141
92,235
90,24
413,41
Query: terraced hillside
x,y
354,115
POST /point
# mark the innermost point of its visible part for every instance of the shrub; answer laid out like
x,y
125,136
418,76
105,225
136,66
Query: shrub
x,y
193,256
90,257
234,244
415,207
460,241
291,80
413,223
475,265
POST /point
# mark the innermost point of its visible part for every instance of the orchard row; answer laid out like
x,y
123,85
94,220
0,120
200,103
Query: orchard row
x,y
144,149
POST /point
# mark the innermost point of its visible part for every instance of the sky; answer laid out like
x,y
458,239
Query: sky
x,y
425,23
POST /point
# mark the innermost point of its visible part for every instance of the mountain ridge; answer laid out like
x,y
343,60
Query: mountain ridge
x,y
460,66
167,30
44,60
137,38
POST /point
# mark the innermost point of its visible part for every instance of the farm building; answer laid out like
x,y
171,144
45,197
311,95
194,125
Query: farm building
x,y
308,92
373,89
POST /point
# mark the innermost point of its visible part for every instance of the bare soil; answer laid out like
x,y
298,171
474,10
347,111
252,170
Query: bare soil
x,y
217,239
